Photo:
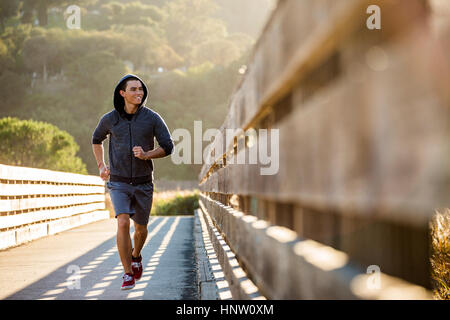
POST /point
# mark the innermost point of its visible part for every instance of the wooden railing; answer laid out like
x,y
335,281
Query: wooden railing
x,y
362,121
36,202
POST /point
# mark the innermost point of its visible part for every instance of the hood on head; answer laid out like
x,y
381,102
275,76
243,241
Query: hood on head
x,y
118,100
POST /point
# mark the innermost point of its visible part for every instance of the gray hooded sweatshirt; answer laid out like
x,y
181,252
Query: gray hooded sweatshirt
x,y
126,132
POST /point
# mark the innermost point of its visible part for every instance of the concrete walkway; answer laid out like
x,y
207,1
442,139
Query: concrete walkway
x,y
83,263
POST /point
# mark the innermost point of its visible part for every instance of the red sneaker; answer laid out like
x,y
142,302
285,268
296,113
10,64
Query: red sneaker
x,y
128,281
136,266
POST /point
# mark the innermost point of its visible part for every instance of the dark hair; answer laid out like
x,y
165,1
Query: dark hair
x,y
123,85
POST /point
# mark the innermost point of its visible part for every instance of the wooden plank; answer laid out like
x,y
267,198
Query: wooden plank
x,y
284,266
355,153
39,230
34,203
363,158
293,45
7,239
33,174
395,248
301,46
47,189
15,220
31,232
75,221
241,286
292,25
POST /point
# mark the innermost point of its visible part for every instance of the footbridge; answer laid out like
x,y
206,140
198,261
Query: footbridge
x,y
320,184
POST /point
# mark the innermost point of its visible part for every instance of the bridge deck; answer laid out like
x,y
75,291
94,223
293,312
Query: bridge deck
x,y
48,268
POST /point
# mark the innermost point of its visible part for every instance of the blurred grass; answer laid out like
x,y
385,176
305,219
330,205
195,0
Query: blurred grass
x,y
440,254
169,203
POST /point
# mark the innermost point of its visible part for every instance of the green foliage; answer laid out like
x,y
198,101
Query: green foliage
x,y
45,50
66,77
175,204
8,8
183,30
149,54
13,38
39,145
219,52
105,65
133,13
38,10
12,86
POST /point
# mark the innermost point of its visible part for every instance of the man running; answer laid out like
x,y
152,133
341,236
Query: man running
x,y
131,127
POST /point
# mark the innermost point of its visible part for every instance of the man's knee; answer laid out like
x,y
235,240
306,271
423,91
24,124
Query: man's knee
x,y
140,229
123,221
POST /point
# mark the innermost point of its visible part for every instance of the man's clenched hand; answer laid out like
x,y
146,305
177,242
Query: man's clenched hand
x,y
104,172
140,153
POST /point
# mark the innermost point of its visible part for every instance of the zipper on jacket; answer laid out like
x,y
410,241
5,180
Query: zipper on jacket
x,y
131,152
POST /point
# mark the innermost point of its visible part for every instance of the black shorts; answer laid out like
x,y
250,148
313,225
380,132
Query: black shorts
x,y
135,200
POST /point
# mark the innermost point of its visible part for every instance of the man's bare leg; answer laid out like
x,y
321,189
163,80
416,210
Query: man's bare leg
x,y
124,241
140,235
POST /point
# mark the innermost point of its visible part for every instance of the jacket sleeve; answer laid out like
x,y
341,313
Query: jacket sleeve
x,y
162,135
102,130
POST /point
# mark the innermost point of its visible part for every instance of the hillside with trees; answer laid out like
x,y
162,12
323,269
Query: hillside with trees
x,y
188,51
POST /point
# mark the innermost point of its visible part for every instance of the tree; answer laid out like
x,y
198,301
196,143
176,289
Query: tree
x,y
189,23
40,7
28,9
13,38
39,145
8,8
43,52
133,13
151,53
219,52
3,56
117,37
12,90
97,71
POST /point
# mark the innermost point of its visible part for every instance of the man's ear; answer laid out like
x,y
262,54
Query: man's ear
x,y
122,93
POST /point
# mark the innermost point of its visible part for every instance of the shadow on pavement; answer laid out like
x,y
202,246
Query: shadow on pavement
x,y
169,269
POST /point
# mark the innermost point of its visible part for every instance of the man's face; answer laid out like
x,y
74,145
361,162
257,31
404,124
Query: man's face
x,y
134,92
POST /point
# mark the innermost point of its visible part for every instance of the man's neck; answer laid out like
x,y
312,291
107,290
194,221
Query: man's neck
x,y
130,108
